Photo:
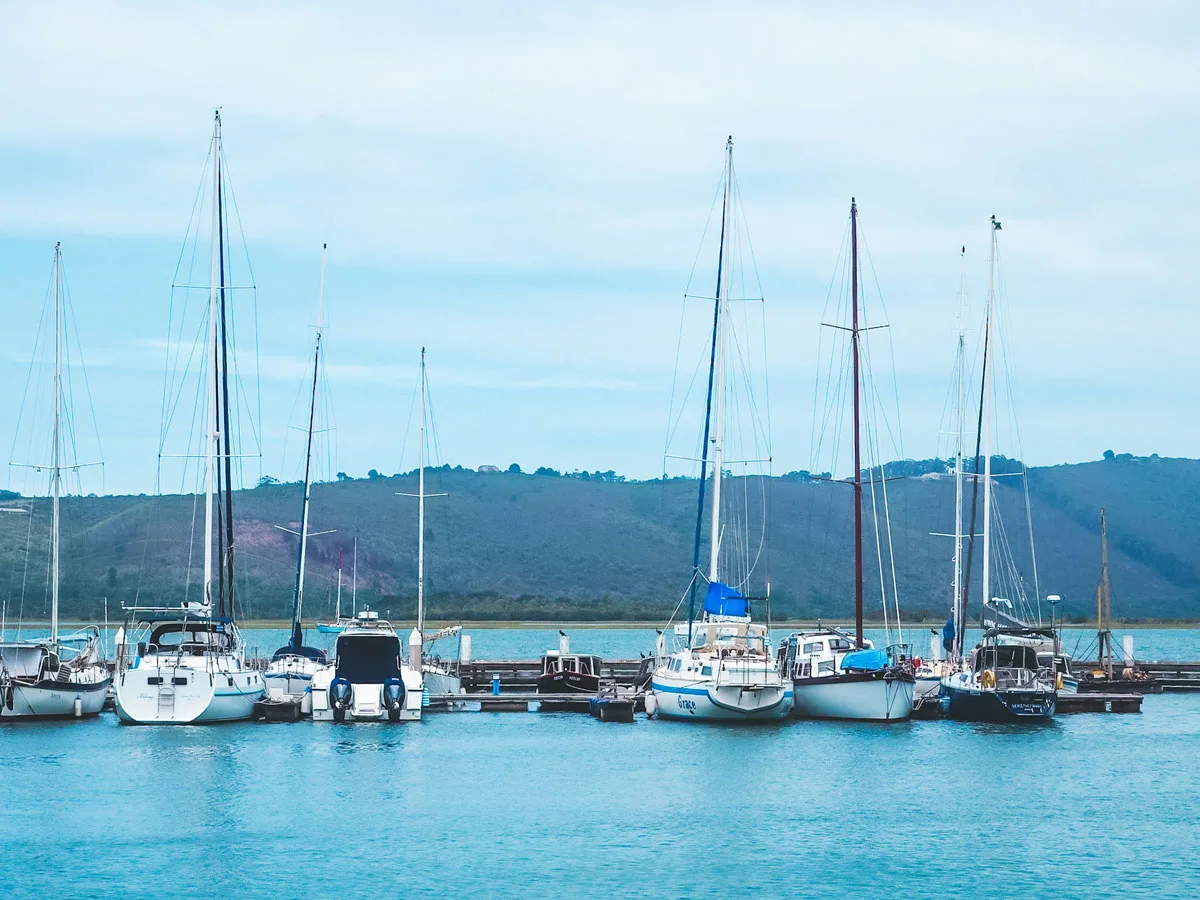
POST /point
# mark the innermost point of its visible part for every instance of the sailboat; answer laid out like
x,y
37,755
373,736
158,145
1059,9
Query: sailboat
x,y
288,677
441,676
339,623
722,668
60,676
187,664
1002,679
834,677
943,655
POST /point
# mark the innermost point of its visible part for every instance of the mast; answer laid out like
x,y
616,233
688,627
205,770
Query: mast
x,y
854,339
337,610
210,439
960,428
226,429
56,465
421,521
297,639
988,400
354,579
1104,604
712,360
718,438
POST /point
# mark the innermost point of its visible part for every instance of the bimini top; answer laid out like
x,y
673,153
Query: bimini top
x,y
722,600
865,661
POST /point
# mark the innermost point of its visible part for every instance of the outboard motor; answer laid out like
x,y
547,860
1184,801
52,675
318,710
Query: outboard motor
x,y
340,693
393,698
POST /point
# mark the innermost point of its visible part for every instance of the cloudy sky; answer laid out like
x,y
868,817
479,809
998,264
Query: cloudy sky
x,y
523,190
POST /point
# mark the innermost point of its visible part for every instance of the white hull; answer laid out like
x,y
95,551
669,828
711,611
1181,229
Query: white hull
x,y
854,697
707,702
291,678
184,696
366,700
441,683
52,700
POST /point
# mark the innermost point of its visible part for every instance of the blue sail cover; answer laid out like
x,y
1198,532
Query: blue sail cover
x,y
722,600
948,635
865,660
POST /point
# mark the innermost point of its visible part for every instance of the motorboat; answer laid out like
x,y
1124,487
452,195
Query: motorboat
x,y
368,680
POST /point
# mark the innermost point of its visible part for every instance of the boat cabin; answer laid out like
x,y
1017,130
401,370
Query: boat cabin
x,y
572,663
187,637
814,654
368,657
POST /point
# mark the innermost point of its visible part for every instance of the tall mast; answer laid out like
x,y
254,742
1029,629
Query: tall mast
x,y
354,579
298,605
708,403
56,466
960,429
210,439
337,609
988,400
421,516
1104,604
854,337
718,438
225,431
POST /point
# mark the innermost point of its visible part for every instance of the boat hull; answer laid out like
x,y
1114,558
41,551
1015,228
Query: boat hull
x,y
185,696
869,697
721,703
568,683
970,704
52,699
366,701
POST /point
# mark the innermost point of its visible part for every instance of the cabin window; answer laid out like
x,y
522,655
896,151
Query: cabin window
x,y
814,647
707,670
825,668
839,644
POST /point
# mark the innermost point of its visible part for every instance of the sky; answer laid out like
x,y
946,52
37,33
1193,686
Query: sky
x,y
523,191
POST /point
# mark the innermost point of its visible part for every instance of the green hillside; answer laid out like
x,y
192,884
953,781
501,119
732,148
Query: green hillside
x,y
508,545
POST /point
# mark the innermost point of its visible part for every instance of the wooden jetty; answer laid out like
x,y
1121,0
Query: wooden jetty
x,y
1170,676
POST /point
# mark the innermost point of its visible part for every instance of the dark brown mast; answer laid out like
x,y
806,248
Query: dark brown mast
x,y
858,534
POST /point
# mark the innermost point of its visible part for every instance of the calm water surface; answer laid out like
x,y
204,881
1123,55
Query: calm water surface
x,y
559,805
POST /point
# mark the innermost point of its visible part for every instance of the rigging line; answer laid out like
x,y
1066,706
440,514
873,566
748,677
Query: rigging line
x,y
672,422
30,376
886,320
872,446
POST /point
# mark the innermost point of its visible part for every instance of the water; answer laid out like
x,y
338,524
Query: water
x,y
560,805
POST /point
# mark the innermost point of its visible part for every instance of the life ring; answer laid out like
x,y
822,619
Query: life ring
x,y
988,679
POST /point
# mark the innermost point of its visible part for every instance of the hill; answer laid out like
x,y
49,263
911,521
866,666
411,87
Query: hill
x,y
510,545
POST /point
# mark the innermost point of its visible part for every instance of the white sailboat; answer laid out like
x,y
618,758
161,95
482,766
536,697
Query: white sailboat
x,y
834,678
943,653
288,677
441,676
340,622
186,664
722,668
60,676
